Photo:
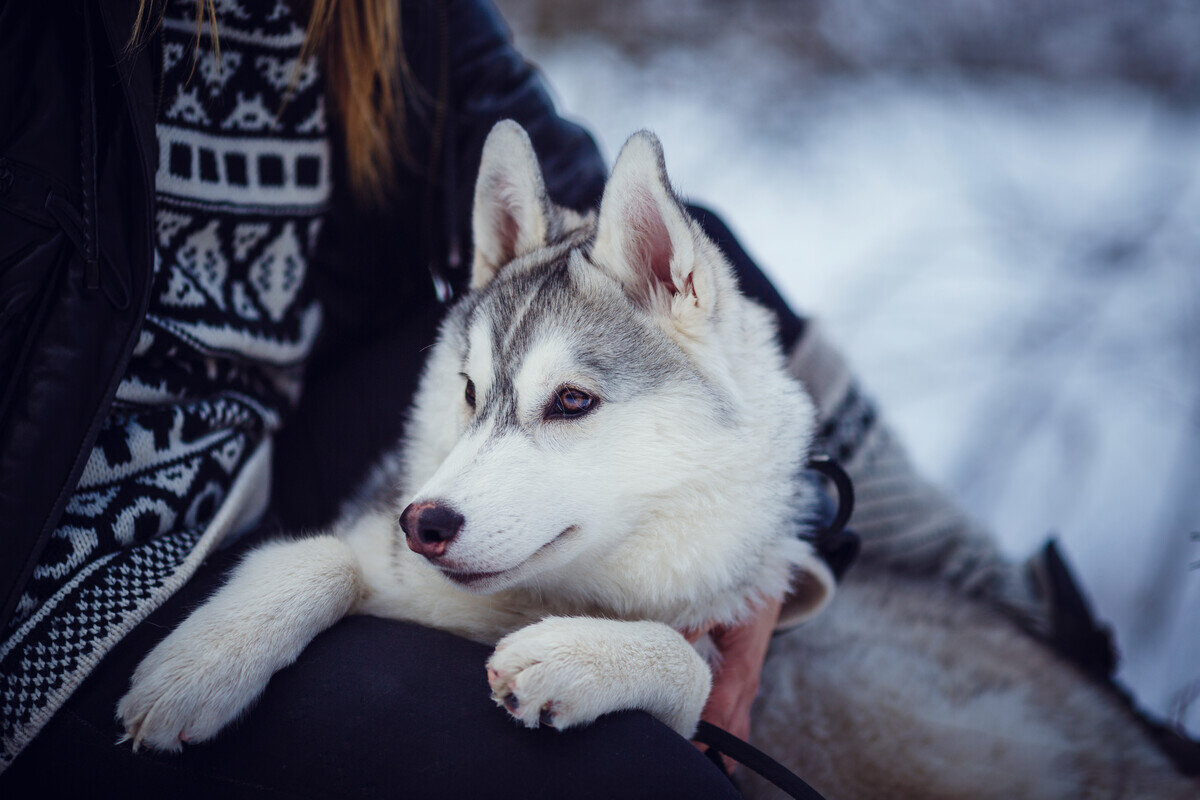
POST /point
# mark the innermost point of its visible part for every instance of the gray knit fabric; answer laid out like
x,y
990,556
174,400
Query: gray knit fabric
x,y
903,520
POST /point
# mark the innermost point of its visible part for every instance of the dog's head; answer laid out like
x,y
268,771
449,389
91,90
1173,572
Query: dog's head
x,y
584,392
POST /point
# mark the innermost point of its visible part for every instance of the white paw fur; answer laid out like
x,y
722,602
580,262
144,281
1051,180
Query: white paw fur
x,y
567,671
214,665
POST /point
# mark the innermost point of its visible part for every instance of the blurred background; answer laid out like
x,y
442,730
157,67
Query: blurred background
x,y
994,207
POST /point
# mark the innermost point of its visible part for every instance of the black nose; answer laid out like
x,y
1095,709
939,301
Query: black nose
x,y
429,526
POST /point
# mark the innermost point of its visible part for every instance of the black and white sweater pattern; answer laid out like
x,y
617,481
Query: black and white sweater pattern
x,y
243,178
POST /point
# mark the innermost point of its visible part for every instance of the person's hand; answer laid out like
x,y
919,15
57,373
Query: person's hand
x,y
735,683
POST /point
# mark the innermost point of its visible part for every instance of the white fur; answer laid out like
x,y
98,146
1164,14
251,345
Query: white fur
x,y
567,671
210,668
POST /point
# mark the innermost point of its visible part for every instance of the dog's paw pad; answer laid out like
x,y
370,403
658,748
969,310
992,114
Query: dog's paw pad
x,y
523,712
543,692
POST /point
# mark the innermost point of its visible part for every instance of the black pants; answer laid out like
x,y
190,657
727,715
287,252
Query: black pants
x,y
373,707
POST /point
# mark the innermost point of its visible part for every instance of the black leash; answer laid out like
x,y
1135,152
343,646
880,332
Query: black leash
x,y
752,758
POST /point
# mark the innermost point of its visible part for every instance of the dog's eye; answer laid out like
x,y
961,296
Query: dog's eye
x,y
470,393
569,402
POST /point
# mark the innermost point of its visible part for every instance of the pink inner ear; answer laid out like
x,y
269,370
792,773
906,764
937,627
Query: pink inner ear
x,y
505,226
506,235
650,245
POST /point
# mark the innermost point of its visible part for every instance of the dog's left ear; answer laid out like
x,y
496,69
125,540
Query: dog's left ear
x,y
511,215
645,239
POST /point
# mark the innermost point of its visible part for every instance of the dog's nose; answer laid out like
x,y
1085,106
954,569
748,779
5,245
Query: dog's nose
x,y
429,526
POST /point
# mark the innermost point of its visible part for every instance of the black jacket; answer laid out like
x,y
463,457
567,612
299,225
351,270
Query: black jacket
x,y
78,157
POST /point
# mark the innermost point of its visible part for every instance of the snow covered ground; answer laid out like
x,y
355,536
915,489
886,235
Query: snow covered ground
x,y
1012,264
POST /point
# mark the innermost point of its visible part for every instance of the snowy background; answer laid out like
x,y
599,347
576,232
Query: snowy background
x,y
995,208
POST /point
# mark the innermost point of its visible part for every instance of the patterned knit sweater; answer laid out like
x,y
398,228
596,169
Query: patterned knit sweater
x,y
243,178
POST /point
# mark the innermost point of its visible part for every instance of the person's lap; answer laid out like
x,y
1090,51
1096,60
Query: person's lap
x,y
372,707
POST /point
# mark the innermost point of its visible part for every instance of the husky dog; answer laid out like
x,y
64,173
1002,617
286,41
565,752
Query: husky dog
x,y
603,452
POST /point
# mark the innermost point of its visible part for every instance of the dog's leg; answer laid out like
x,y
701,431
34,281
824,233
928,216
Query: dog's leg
x,y
215,664
566,671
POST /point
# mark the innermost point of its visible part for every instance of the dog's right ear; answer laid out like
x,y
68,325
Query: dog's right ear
x,y
511,214
646,241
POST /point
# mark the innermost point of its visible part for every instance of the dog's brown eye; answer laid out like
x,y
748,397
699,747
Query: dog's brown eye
x,y
470,393
570,402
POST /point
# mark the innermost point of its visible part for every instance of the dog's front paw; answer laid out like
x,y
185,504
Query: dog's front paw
x,y
187,689
549,674
567,671
214,665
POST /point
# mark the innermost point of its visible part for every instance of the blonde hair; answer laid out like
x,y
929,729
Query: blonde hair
x,y
358,42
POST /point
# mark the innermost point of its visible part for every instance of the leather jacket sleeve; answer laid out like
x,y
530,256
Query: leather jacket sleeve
x,y
491,81
75,254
